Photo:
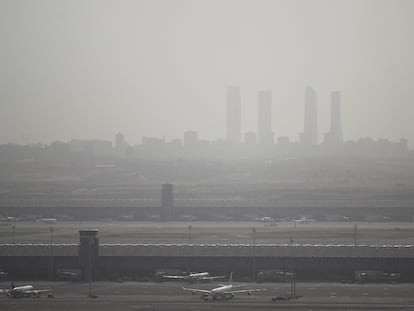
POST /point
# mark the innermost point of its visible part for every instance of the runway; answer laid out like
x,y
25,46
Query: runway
x,y
171,296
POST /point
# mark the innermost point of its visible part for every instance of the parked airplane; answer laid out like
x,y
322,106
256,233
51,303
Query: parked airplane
x,y
264,219
9,219
48,220
304,220
69,275
3,275
26,291
193,277
222,292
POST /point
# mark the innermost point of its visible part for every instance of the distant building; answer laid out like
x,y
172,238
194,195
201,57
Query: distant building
x,y
250,138
153,142
120,144
233,115
167,202
59,147
176,143
335,135
190,138
404,144
92,147
264,117
119,140
310,133
283,141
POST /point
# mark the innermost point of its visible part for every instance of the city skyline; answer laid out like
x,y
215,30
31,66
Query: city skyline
x,y
235,133
159,68
265,140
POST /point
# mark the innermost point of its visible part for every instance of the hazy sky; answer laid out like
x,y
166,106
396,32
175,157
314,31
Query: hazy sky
x,y
88,69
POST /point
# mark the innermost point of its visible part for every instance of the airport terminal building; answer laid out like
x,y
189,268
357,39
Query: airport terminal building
x,y
140,261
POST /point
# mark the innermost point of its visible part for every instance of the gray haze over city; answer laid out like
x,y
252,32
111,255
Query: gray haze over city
x,y
228,142
90,69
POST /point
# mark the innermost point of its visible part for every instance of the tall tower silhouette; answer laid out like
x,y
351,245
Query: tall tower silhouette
x,y
233,115
120,144
335,135
264,117
310,133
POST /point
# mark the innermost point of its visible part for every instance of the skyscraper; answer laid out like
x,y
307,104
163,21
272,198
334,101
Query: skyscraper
x,y
310,133
335,136
264,117
120,144
233,115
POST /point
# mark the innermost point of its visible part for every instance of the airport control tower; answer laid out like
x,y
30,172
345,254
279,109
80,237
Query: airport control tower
x,y
89,253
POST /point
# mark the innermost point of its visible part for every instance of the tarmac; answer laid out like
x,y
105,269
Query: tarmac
x,y
170,296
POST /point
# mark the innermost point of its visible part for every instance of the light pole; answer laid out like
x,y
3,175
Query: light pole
x,y
254,253
355,235
189,233
293,285
14,234
90,266
51,253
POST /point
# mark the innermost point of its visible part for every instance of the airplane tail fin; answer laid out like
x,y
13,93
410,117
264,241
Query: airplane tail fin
x,y
231,277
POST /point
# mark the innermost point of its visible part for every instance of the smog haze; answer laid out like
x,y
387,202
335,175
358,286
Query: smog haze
x,y
88,69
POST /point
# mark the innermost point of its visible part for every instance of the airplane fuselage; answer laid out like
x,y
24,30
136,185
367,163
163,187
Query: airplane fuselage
x,y
199,275
22,291
222,289
26,291
222,292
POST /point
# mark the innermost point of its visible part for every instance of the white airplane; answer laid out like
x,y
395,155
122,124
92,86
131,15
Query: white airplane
x,y
9,219
48,220
222,292
265,219
69,275
26,291
304,220
192,277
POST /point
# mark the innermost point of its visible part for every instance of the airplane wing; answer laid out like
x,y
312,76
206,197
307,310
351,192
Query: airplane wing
x,y
197,290
37,291
174,277
213,277
249,291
